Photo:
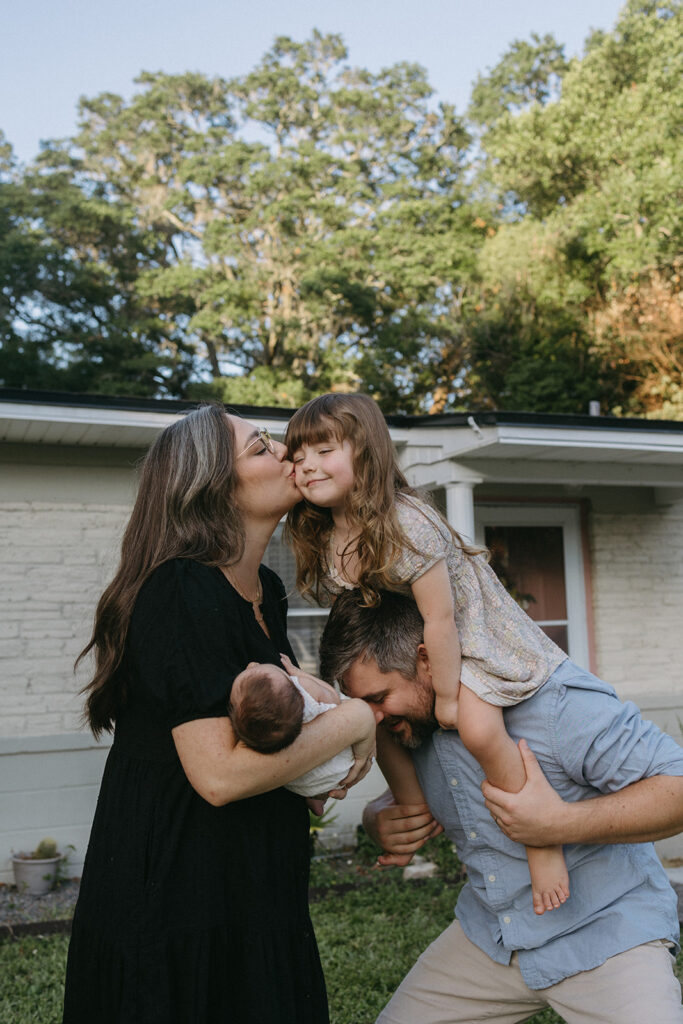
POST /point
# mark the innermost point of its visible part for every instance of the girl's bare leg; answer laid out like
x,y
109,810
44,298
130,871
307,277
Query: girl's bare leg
x,y
482,730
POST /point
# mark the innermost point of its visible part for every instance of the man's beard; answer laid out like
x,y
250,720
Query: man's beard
x,y
422,726
419,732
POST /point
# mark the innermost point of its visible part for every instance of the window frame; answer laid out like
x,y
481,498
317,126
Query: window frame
x,y
568,517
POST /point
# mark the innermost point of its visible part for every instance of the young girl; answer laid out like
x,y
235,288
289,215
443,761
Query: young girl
x,y
362,526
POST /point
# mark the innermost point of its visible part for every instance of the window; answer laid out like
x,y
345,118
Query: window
x,y
529,561
536,550
305,622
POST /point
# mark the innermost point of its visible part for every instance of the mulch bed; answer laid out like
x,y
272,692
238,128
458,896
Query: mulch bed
x,y
21,914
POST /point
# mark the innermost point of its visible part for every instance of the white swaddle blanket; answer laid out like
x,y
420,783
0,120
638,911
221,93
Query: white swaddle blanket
x,y
329,774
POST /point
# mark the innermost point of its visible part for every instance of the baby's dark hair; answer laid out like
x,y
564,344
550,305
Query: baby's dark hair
x,y
267,717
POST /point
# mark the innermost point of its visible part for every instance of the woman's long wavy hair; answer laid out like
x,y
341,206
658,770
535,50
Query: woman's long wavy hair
x,y
185,508
371,505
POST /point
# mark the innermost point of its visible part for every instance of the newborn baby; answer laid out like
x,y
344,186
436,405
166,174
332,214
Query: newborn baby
x,y
268,707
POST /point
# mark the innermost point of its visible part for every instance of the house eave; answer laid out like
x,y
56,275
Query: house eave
x,y
494,445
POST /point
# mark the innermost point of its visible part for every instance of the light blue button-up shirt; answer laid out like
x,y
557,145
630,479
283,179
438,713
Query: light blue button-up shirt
x,y
588,742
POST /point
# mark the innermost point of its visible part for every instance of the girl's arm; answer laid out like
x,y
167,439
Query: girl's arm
x,y
434,598
223,770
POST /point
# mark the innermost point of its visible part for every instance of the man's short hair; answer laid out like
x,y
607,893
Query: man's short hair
x,y
390,632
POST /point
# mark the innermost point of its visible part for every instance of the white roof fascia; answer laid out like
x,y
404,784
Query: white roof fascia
x,y
490,441
646,472
26,422
576,438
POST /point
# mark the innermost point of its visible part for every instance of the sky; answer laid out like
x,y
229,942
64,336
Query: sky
x,y
55,51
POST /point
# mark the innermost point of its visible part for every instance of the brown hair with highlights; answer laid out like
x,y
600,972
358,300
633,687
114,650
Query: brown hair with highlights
x,y
371,506
185,508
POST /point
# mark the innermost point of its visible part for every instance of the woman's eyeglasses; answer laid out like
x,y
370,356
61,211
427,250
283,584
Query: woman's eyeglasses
x,y
264,438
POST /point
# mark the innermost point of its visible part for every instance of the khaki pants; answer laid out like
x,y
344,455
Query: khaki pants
x,y
453,982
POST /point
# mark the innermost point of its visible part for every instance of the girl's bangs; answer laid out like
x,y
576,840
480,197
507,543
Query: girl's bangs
x,y
311,428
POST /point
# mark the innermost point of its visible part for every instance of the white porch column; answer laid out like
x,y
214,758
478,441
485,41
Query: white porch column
x,y
460,508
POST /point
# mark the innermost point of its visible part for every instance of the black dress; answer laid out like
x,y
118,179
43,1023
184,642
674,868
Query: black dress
x,y
188,913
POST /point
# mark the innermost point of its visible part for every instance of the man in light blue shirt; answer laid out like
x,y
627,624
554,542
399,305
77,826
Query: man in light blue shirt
x,y
617,783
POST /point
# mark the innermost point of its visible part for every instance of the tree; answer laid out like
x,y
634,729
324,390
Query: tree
x,y
299,261
590,187
529,74
311,226
71,316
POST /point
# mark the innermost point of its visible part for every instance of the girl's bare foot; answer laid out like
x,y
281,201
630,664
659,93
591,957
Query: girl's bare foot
x,y
549,877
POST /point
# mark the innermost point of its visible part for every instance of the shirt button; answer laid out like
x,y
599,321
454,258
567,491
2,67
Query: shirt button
x,y
492,878
473,835
454,782
506,920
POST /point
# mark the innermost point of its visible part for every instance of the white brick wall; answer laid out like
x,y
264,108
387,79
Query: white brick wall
x,y
637,576
49,787
55,560
56,556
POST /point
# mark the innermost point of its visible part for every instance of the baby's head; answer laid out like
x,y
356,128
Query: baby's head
x,y
266,708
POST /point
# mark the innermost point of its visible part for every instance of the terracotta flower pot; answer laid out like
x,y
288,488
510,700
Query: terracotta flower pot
x,y
35,877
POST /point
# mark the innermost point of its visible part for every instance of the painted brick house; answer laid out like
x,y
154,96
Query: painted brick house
x,y
583,516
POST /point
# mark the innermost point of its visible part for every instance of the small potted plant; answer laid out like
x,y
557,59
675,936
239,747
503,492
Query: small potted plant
x,y
36,873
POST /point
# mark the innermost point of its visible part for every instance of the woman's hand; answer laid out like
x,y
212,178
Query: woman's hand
x,y
320,691
363,759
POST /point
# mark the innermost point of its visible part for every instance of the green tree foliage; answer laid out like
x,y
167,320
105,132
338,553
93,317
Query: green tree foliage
x,y
311,226
291,226
72,316
590,185
529,73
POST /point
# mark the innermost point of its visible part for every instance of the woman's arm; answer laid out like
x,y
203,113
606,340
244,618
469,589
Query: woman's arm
x,y
223,770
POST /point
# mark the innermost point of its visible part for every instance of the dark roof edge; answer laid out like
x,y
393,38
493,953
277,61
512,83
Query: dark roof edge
x,y
132,402
495,418
487,418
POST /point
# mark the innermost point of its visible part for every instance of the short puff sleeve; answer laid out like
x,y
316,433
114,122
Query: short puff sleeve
x,y
427,534
186,642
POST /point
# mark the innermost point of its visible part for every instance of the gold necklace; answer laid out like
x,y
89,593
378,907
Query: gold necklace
x,y
255,603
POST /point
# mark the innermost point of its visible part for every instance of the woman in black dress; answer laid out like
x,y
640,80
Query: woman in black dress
x,y
193,906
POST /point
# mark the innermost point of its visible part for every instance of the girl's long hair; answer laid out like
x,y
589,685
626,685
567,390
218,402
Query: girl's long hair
x,y
185,508
371,505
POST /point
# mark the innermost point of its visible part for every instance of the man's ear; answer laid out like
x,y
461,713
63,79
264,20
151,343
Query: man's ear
x,y
423,660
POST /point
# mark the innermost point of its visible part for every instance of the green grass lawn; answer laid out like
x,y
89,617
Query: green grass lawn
x,y
371,927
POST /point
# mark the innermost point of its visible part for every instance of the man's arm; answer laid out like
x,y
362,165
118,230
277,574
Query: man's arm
x,y
398,828
643,811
